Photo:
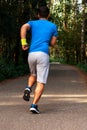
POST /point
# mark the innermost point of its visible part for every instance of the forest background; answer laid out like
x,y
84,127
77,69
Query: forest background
x,y
69,15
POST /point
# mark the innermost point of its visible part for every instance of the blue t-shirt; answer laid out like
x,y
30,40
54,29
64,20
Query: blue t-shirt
x,y
41,33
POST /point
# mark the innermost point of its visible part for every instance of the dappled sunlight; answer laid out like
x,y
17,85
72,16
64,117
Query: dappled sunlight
x,y
75,81
80,98
65,95
10,103
17,99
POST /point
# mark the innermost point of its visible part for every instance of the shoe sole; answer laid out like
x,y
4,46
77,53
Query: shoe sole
x,y
26,96
33,110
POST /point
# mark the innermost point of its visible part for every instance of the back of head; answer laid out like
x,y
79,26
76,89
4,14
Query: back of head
x,y
43,11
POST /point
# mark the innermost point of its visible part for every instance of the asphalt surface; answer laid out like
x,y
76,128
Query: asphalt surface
x,y
63,105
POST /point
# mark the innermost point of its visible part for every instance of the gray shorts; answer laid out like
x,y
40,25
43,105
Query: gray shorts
x,y
39,65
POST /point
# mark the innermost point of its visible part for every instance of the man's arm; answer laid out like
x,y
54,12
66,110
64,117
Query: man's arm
x,y
23,33
53,41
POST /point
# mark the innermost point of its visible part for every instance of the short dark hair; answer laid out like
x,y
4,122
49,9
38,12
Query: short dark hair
x,y
43,11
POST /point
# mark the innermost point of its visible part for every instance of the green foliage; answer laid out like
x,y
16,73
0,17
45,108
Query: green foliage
x,y
13,14
82,66
12,71
65,13
54,59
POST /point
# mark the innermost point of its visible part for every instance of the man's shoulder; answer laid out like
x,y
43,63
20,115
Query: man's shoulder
x,y
52,23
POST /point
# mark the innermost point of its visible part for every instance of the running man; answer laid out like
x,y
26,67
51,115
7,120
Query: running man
x,y
43,34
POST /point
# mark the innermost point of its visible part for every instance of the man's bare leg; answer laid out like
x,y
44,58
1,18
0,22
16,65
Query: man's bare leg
x,y
31,80
27,91
38,92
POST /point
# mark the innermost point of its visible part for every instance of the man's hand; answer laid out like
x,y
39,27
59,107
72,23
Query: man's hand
x,y
25,47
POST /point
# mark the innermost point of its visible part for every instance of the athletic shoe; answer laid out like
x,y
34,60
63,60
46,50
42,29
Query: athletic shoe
x,y
27,92
34,109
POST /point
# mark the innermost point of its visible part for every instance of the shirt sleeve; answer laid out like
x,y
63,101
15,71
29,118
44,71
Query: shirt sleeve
x,y
30,23
55,31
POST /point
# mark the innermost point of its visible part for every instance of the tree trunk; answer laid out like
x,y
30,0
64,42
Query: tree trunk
x,y
83,57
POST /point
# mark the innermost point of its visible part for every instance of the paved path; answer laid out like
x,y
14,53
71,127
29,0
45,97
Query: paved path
x,y
63,105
